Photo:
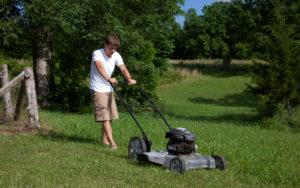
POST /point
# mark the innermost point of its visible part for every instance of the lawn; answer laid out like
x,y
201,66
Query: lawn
x,y
214,104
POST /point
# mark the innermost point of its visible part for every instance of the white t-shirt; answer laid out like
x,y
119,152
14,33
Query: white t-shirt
x,y
97,82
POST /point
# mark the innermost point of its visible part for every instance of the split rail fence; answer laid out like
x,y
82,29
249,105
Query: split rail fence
x,y
27,86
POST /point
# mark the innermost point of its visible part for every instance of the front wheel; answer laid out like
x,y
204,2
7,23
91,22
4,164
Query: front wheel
x,y
220,162
136,146
177,165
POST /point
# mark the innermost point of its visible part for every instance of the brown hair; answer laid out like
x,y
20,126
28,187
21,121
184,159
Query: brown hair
x,y
112,39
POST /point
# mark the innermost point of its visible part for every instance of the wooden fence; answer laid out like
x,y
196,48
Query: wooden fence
x,y
27,85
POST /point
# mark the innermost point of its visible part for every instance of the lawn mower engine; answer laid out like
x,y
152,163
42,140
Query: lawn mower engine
x,y
181,141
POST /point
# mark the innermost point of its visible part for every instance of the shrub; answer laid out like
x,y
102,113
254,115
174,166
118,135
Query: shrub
x,y
14,66
280,120
171,75
240,50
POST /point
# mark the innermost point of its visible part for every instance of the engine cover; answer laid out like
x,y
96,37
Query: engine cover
x,y
181,141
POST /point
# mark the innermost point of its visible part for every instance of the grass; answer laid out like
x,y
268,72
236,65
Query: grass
x,y
216,94
213,104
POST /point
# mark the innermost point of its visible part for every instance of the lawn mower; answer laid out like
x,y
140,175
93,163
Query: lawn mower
x,y
179,155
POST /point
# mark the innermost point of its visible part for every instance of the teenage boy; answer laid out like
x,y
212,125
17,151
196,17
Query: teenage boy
x,y
102,66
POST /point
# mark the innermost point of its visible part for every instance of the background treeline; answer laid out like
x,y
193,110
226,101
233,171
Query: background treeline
x,y
238,29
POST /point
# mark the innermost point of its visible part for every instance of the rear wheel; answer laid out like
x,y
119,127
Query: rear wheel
x,y
136,146
220,162
177,165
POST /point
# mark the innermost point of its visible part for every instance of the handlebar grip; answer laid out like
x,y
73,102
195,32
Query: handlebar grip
x,y
122,81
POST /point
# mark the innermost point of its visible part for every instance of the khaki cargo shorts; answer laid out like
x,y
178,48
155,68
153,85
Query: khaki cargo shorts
x,y
104,106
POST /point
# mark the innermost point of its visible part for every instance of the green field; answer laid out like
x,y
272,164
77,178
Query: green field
x,y
212,103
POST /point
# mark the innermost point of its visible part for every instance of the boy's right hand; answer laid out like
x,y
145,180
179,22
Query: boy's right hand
x,y
113,81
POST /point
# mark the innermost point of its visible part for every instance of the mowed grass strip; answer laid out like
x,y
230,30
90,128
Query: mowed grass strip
x,y
71,155
216,94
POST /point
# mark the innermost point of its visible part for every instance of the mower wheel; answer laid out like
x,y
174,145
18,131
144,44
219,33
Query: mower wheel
x,y
177,165
136,146
220,162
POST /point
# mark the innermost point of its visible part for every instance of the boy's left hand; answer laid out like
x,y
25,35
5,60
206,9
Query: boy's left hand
x,y
131,81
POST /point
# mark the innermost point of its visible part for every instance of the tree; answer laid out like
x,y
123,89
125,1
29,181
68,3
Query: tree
x,y
204,36
278,80
63,35
12,37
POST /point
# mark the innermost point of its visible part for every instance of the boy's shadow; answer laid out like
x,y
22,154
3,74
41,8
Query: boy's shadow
x,y
58,136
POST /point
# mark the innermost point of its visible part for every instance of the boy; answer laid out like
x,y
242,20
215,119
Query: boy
x,y
102,67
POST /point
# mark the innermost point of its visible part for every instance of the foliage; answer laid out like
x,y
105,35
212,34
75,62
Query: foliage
x,y
170,76
238,29
240,51
278,80
14,66
281,120
73,29
12,38
203,36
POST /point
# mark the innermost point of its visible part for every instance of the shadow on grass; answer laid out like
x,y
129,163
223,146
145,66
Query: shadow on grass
x,y
239,99
142,163
234,118
60,136
243,99
216,70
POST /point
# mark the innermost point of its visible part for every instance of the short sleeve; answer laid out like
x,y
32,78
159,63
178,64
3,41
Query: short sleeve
x,y
118,59
97,56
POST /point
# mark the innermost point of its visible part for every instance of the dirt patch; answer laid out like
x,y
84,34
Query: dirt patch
x,y
20,127
12,131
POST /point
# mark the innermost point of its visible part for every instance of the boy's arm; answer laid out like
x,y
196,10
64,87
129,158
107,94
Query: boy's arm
x,y
126,73
103,73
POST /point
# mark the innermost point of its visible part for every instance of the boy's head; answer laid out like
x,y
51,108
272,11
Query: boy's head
x,y
111,44
112,40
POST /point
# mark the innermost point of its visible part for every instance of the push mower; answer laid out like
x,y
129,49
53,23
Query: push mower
x,y
179,155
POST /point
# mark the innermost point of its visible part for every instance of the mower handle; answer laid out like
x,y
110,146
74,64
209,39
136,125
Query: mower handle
x,y
129,109
123,81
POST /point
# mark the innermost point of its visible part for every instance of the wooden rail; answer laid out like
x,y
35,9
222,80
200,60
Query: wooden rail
x,y
28,85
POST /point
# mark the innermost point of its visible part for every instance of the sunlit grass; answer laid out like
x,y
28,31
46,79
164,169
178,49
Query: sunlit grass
x,y
213,105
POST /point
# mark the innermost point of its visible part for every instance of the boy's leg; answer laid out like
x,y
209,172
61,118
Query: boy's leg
x,y
104,137
108,132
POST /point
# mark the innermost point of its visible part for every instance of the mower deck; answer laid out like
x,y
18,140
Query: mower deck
x,y
191,161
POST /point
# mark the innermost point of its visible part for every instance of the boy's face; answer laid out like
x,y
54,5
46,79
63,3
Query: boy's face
x,y
109,49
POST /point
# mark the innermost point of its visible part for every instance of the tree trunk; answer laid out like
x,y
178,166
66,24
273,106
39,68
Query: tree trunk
x,y
42,57
288,106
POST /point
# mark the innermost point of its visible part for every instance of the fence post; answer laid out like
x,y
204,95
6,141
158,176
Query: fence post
x,y
20,101
6,96
31,98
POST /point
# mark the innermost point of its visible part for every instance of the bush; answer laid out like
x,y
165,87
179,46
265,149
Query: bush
x,y
265,108
274,124
14,66
280,120
240,50
171,75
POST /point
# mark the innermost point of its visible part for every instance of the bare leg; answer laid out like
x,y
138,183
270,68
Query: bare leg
x,y
104,137
108,132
